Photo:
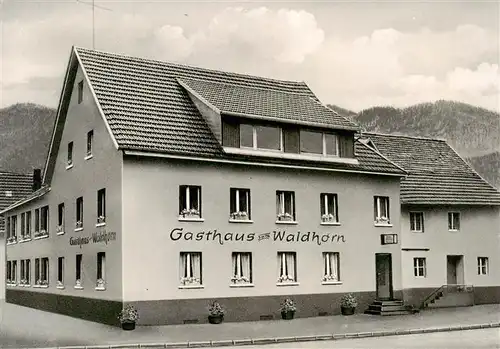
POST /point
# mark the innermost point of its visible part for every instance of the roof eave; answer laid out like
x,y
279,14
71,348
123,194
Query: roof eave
x,y
35,195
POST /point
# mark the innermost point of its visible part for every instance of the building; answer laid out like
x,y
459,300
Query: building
x,y
450,219
13,187
168,186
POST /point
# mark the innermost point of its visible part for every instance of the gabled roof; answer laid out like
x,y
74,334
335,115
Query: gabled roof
x,y
147,110
267,103
436,173
13,187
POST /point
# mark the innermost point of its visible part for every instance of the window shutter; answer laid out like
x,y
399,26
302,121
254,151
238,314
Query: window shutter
x,y
346,145
230,133
291,139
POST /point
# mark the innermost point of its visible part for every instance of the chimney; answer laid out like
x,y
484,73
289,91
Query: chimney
x,y
37,179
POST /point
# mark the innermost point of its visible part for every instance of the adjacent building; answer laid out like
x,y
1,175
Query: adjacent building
x,y
168,186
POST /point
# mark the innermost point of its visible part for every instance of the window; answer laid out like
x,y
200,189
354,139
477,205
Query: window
x,y
60,218
287,267
260,137
482,265
101,270
241,268
78,273
190,201
417,222
37,220
23,225
101,206
331,144
42,272
239,204
60,272
8,193
80,92
331,267
453,221
313,142
28,224
25,279
190,269
12,272
285,206
381,206
90,139
44,220
329,208
79,213
70,154
419,267
11,229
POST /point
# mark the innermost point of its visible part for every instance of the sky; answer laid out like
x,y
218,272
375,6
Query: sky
x,y
354,54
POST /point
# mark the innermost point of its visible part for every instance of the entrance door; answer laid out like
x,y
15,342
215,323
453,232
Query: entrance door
x,y
383,266
454,267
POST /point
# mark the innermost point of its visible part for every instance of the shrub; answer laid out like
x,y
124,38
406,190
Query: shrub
x,y
348,301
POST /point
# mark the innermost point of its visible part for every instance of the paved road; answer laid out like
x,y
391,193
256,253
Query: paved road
x,y
471,339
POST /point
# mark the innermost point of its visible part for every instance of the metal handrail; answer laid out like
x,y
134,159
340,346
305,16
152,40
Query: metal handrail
x,y
444,288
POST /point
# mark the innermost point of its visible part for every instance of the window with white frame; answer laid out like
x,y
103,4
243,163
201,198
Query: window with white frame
x,y
60,218
190,269
101,206
25,278
329,208
241,268
60,272
12,229
23,225
239,202
11,272
287,267
44,220
79,213
101,270
189,201
69,160
260,137
331,267
453,221
285,206
314,142
37,221
381,208
419,267
482,265
417,222
28,225
42,271
90,139
78,271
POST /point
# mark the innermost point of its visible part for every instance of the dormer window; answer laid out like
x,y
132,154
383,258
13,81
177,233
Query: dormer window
x,y
320,143
260,137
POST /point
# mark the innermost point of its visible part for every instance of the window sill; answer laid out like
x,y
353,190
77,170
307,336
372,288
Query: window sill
x,y
182,219
331,282
330,223
88,157
453,230
287,284
240,221
419,277
416,231
25,240
100,224
78,229
25,285
241,285
41,286
287,222
100,288
383,224
60,233
40,237
191,286
12,243
11,285
60,287
78,287
69,166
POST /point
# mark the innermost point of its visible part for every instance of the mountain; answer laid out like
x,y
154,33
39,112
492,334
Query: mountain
x,y
473,132
25,132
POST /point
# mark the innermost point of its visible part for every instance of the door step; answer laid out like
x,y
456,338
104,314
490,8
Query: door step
x,y
385,308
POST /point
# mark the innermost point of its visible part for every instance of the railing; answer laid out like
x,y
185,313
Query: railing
x,y
443,290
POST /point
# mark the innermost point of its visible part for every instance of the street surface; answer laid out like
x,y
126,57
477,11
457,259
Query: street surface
x,y
471,339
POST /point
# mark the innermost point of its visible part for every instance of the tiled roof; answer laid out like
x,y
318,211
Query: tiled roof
x,y
268,103
437,174
13,187
149,111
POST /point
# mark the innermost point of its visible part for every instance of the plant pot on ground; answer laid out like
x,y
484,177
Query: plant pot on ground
x,y
288,309
128,325
128,317
215,313
348,304
287,315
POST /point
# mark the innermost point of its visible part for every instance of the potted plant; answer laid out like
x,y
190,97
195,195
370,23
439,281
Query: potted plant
x,y
288,309
215,313
348,304
128,317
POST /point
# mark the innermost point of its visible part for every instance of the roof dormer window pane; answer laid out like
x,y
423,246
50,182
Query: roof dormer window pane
x,y
268,137
311,142
246,136
331,144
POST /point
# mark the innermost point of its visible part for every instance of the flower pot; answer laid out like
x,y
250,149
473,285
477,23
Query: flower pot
x,y
215,319
347,310
287,315
128,326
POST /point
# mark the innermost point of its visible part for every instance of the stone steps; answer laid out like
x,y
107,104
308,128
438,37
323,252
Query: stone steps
x,y
386,308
